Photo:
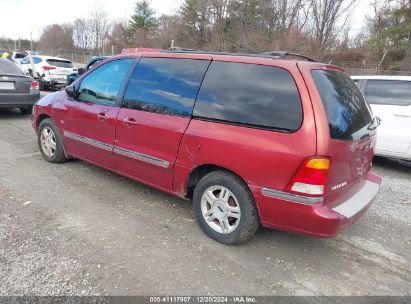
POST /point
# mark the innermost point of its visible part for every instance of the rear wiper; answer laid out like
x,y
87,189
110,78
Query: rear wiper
x,y
375,122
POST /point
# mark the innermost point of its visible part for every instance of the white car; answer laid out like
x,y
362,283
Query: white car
x,y
53,71
17,57
390,99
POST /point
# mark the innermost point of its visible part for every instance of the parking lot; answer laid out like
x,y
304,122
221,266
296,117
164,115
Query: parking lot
x,y
75,229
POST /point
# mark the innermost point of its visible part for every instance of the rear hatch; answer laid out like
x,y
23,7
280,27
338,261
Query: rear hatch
x,y
346,131
12,79
59,67
14,84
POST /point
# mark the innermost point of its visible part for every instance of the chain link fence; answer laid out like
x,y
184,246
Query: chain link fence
x,y
364,72
355,68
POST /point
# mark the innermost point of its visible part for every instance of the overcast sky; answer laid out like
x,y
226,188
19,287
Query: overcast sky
x,y
20,17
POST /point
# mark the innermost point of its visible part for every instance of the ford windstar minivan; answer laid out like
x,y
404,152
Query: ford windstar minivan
x,y
251,139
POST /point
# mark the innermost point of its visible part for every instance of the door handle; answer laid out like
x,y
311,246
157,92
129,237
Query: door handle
x,y
129,122
402,115
102,116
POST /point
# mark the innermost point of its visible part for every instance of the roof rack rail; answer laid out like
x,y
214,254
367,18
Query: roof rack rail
x,y
177,49
281,54
275,55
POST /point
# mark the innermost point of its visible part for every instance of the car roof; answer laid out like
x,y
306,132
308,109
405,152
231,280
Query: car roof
x,y
49,57
10,68
231,57
382,77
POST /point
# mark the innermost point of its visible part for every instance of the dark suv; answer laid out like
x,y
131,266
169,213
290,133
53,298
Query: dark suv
x,y
251,139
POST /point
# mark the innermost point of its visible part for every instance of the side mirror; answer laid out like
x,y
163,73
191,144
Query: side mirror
x,y
71,91
81,71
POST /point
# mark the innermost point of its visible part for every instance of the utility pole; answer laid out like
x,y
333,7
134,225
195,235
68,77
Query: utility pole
x,y
19,44
31,41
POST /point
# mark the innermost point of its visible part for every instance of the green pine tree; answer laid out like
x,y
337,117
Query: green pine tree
x,y
143,17
394,32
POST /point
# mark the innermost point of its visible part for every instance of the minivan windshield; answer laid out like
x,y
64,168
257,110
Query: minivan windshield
x,y
349,116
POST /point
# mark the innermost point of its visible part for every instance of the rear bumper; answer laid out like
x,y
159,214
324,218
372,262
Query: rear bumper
x,y
18,100
54,83
315,218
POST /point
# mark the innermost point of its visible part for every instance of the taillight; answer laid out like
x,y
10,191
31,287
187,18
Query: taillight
x,y
75,70
48,68
311,177
34,85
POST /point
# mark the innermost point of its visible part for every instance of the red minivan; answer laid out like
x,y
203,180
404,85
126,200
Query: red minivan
x,y
251,139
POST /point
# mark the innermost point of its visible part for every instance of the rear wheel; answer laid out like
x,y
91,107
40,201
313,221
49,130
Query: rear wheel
x,y
225,208
50,142
26,110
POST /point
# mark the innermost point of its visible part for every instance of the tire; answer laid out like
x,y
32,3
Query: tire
x,y
240,204
26,110
51,155
41,85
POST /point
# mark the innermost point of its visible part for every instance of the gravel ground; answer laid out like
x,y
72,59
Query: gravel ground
x,y
75,229
395,188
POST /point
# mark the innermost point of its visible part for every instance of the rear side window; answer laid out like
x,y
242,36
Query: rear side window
x,y
250,95
166,86
60,63
36,60
347,112
388,92
19,56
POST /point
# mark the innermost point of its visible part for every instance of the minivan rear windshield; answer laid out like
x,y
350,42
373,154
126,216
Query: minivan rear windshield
x,y
348,114
60,63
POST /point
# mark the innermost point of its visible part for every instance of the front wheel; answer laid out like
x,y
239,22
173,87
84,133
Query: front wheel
x,y
225,208
50,142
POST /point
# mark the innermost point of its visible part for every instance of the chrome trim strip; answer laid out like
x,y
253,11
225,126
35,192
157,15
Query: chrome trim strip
x,y
136,155
291,197
359,200
142,157
89,141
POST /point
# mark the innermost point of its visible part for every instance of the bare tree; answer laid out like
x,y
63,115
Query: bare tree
x,y
118,35
101,27
57,37
83,34
329,18
283,21
196,20
221,33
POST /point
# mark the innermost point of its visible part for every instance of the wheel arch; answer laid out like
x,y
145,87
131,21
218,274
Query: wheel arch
x,y
198,172
41,118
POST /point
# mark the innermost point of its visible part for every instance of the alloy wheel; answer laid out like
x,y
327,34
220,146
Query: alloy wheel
x,y
220,209
48,141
